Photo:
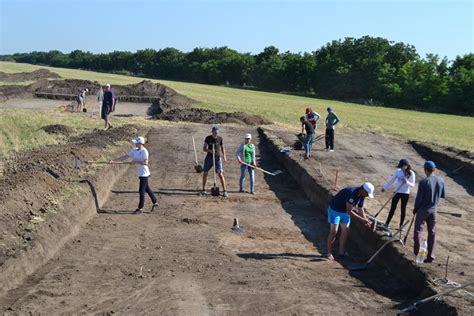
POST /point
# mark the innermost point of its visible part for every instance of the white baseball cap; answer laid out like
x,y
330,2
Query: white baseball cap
x,y
107,85
139,140
369,188
248,136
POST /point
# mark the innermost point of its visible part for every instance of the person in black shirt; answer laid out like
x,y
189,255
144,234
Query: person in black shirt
x,y
108,104
216,141
308,143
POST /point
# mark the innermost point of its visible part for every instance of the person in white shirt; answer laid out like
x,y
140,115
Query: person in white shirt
x,y
140,160
405,178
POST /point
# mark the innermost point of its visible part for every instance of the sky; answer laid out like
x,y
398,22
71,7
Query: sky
x,y
440,27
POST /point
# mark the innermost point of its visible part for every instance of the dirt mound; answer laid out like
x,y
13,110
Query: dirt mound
x,y
60,87
68,86
209,117
33,179
13,91
58,129
169,99
28,76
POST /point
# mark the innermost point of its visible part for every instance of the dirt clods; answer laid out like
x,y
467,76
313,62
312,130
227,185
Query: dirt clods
x,y
208,117
58,129
193,221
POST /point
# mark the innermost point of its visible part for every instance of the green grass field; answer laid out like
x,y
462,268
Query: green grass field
x,y
20,130
441,129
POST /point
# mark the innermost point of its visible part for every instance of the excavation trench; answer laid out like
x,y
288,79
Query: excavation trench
x,y
185,259
92,192
319,191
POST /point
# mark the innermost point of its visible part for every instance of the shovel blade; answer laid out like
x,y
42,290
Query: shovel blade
x,y
277,172
215,191
198,168
358,266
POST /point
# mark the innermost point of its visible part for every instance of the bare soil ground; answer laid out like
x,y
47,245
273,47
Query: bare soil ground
x,y
184,259
371,157
33,180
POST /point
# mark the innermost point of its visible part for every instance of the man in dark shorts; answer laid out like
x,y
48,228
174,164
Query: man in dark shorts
x,y
108,105
430,191
340,213
216,141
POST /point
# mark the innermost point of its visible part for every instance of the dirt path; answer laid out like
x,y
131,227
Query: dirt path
x,y
123,108
184,259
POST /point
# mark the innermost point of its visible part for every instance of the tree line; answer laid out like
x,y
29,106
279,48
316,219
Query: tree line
x,y
369,70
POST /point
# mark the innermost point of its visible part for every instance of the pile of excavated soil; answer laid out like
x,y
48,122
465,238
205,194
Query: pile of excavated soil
x,y
209,117
32,178
28,76
61,87
169,99
58,129
168,105
68,86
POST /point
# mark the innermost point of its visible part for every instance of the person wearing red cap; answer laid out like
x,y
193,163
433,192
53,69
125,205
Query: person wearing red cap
x,y
312,117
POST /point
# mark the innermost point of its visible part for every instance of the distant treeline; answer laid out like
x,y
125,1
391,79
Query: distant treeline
x,y
367,70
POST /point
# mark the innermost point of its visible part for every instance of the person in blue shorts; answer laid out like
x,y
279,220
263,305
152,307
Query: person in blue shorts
x,y
214,141
340,213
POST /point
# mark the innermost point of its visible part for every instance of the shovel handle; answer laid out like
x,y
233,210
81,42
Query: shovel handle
x,y
385,204
195,153
111,163
409,228
257,168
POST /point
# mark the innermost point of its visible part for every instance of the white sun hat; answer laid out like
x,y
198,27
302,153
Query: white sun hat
x,y
138,140
369,188
248,136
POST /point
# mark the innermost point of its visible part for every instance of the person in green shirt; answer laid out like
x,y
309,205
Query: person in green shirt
x,y
246,154
331,121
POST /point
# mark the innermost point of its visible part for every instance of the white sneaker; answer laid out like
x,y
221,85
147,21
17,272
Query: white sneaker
x,y
331,150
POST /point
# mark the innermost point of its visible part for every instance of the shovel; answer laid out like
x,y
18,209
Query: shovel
x,y
409,228
364,265
385,204
197,167
264,171
415,305
452,214
78,163
215,188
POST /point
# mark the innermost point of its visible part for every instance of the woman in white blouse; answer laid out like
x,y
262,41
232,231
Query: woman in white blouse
x,y
405,179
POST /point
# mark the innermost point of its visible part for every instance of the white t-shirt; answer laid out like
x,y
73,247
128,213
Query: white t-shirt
x,y
140,155
402,186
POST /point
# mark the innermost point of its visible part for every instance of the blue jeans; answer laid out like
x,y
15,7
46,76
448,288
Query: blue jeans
x,y
308,144
251,171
